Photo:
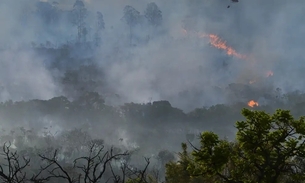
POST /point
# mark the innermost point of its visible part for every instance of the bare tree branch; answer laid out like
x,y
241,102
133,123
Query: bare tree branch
x,y
14,170
96,163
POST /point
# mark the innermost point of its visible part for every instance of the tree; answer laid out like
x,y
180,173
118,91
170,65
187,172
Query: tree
x,y
93,164
90,168
133,175
153,14
12,167
176,172
131,17
100,25
266,149
79,15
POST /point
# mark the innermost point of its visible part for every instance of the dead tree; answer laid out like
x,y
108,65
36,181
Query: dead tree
x,y
85,169
130,173
94,165
12,167
55,170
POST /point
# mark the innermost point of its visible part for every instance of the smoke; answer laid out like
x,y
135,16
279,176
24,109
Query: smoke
x,y
23,77
269,33
165,63
38,47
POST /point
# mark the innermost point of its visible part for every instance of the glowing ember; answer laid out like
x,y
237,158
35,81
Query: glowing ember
x,y
252,103
269,73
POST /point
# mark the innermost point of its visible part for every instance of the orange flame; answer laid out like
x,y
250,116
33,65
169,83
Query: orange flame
x,y
252,103
217,42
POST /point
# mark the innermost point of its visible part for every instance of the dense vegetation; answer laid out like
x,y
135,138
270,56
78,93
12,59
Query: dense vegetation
x,y
267,148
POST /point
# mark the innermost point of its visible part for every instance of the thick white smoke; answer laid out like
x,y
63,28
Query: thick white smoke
x,y
171,66
23,77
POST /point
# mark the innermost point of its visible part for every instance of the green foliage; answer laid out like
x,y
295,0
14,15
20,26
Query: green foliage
x,y
268,148
177,172
270,142
212,157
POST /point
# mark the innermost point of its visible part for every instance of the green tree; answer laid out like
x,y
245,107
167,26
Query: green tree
x,y
177,172
267,149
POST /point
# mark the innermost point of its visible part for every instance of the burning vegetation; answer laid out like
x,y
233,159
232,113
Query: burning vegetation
x,y
221,44
252,103
218,43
